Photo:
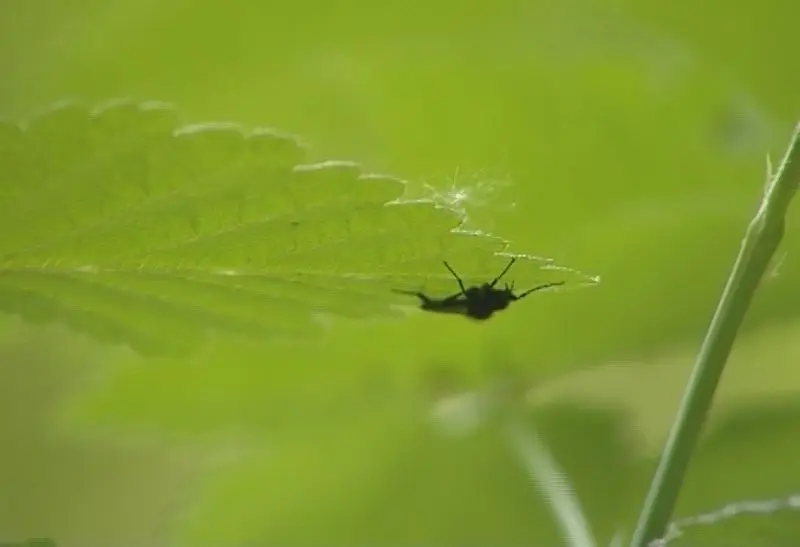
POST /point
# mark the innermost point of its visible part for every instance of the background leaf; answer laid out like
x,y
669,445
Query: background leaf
x,y
755,444
386,478
78,487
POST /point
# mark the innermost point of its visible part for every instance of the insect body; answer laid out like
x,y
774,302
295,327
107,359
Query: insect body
x,y
477,302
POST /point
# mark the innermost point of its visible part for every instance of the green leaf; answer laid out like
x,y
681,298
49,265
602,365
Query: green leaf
x,y
136,229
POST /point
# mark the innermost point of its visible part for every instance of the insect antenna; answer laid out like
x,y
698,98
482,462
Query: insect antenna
x,y
508,267
539,288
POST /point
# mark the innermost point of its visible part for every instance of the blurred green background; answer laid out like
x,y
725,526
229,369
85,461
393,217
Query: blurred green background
x,y
624,139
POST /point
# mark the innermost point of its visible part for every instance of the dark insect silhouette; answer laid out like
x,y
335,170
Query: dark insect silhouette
x,y
477,302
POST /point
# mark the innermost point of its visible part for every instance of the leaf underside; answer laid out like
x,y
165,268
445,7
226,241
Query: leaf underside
x,y
135,229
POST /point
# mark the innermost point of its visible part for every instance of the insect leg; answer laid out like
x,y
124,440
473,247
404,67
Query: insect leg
x,y
499,277
421,296
452,299
460,283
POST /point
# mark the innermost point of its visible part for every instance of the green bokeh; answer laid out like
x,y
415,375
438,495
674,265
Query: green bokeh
x,y
624,140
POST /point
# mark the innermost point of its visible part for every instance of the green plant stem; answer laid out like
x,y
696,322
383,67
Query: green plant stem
x,y
758,246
